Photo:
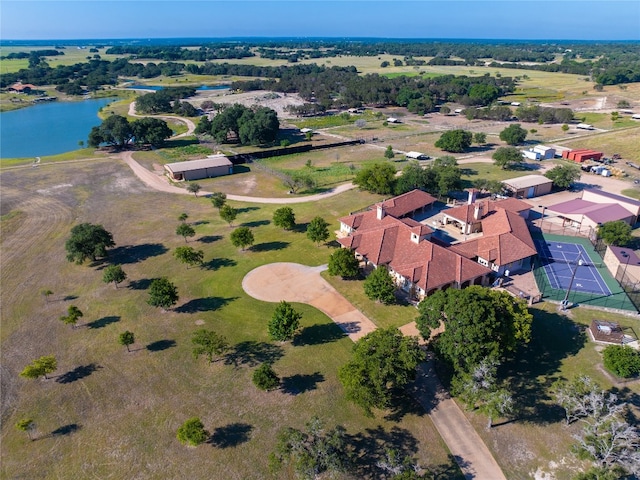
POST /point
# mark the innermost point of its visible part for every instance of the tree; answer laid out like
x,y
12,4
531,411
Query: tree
x,y
311,452
479,138
193,188
189,255
389,153
265,378
242,237
565,128
284,218
87,241
479,323
162,293
40,368
46,293
343,262
208,343
318,230
115,274
623,361
611,442
507,157
183,217
513,134
192,432
582,398
563,176
379,286
284,323
115,131
152,131
383,362
26,425
360,123
228,214
72,316
498,403
185,230
616,233
126,338
456,141
218,199
445,110
377,178
623,104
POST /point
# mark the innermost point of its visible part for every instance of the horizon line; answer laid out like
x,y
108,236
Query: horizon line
x,y
326,37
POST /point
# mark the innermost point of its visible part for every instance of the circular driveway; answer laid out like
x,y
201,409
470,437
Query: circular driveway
x,y
293,282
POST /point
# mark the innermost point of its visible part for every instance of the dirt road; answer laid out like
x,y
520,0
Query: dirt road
x,y
298,283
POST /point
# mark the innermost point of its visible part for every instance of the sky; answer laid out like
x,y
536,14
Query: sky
x,y
476,19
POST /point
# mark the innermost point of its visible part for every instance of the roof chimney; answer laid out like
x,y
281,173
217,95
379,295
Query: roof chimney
x,y
477,211
380,211
472,196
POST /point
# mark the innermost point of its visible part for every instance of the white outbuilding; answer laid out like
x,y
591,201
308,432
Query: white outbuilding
x,y
416,156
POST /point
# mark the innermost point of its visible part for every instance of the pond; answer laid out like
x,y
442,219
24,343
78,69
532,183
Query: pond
x,y
48,128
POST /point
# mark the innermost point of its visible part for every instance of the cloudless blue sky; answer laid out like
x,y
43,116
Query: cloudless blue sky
x,y
507,19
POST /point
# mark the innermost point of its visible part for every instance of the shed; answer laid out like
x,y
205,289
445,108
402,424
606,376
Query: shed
x,y
545,152
212,166
529,185
417,156
393,120
623,263
531,154
306,130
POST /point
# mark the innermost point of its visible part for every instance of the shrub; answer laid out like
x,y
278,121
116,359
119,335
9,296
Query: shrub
x,y
623,361
265,378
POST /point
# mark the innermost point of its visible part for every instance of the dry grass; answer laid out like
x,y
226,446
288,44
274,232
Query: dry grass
x,y
127,406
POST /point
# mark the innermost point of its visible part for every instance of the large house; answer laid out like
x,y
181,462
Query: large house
x,y
505,243
403,246
468,217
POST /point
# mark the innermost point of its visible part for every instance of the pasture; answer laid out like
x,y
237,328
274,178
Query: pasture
x,y
127,406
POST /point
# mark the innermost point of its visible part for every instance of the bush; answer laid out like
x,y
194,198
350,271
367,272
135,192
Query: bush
x,y
192,432
265,378
622,361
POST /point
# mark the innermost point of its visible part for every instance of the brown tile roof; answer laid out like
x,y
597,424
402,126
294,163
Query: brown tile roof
x,y
505,239
464,213
407,202
388,241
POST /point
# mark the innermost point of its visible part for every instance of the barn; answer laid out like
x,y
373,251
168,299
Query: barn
x,y
528,186
212,166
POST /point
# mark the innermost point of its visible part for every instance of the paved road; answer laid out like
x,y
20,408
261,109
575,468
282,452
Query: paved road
x,y
298,283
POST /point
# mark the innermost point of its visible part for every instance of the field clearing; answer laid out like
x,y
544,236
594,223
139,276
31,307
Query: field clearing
x,y
130,419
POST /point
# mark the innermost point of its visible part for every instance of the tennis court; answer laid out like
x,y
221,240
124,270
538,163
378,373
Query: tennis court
x,y
560,260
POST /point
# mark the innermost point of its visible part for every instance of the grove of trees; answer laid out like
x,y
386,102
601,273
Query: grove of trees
x,y
239,124
116,131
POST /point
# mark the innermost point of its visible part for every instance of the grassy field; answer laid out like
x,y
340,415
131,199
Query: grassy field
x,y
127,406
